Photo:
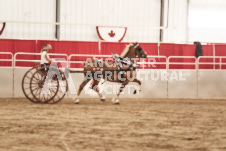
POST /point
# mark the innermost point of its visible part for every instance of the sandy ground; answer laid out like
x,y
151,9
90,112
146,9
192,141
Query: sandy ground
x,y
136,124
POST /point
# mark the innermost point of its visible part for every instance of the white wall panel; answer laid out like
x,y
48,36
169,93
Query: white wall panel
x,y
28,11
177,21
18,77
6,82
206,20
211,84
203,84
153,86
84,15
183,86
127,13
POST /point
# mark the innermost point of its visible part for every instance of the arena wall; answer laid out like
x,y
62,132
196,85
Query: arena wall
x,y
203,27
6,82
193,84
184,87
79,18
28,11
211,84
18,76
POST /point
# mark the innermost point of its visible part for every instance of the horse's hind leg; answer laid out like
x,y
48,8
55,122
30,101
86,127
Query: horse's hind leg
x,y
96,88
139,82
82,85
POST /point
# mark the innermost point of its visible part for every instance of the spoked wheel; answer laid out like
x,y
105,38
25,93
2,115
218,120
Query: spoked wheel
x,y
41,87
63,88
26,84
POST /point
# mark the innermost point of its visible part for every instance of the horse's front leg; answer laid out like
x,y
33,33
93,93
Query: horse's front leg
x,y
139,82
116,100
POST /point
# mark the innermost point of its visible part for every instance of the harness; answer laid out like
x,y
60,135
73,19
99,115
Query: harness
x,y
119,61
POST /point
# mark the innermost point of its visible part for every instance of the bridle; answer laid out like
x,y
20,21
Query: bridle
x,y
135,47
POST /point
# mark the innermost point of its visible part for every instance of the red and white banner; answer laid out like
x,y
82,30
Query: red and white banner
x,y
2,27
112,34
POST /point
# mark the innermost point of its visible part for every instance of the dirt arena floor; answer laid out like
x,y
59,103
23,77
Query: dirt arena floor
x,y
136,124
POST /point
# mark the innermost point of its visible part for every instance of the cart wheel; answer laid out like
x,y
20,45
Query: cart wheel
x,y
42,88
39,89
62,90
26,85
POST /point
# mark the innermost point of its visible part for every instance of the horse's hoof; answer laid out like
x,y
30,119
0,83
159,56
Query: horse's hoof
x,y
135,92
117,103
76,101
102,98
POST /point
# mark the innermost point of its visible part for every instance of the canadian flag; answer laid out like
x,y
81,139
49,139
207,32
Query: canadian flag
x,y
109,33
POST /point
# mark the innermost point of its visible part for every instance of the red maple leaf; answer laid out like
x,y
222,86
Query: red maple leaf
x,y
111,34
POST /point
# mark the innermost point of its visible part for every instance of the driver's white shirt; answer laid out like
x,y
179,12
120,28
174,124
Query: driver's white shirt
x,y
43,58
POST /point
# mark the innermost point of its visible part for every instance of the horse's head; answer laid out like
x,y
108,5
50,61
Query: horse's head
x,y
133,50
139,51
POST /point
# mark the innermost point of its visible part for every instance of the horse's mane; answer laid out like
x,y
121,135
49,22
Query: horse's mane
x,y
126,50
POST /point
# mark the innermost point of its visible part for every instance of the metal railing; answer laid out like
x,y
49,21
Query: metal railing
x,y
152,62
182,63
34,60
144,64
214,62
7,60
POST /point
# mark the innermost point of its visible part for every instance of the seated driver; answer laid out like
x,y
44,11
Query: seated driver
x,y
45,59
